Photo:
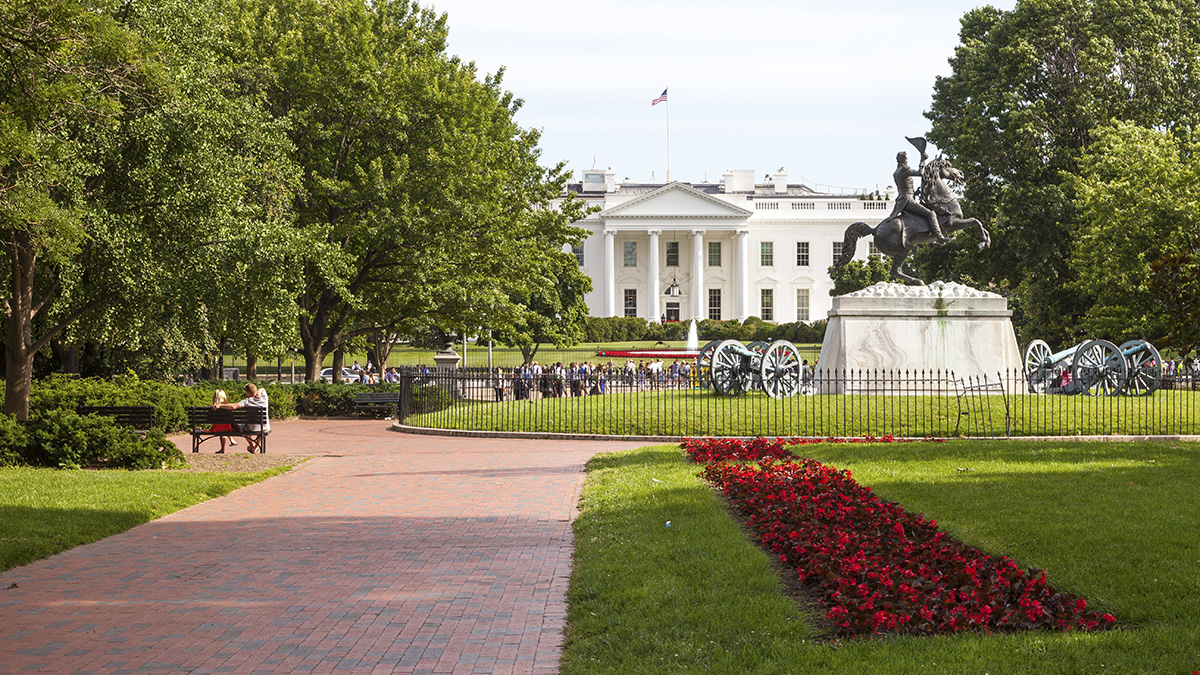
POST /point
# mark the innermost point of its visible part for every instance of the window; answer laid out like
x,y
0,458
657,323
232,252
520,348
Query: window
x,y
672,311
672,254
837,250
768,305
767,254
631,254
802,254
714,304
714,254
578,251
802,304
631,302
872,249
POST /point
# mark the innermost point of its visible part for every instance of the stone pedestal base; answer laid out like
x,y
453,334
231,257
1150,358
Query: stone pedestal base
x,y
943,332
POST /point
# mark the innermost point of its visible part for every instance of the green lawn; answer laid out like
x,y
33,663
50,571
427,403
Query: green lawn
x,y
699,412
1115,522
45,511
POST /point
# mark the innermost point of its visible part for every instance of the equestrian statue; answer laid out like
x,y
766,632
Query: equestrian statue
x,y
924,216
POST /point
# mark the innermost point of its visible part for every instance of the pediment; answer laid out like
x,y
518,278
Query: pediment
x,y
675,200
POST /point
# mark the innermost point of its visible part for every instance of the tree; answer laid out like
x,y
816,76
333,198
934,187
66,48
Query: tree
x,y
414,170
857,275
127,177
555,313
1139,202
1027,89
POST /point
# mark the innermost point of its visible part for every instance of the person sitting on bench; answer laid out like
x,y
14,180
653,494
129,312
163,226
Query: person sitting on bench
x,y
219,398
255,398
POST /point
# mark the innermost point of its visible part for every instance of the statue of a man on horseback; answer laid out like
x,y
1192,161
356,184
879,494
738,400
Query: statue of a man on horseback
x,y
916,221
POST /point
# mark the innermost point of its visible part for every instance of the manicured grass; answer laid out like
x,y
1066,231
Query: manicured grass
x,y
699,412
1114,522
45,511
502,357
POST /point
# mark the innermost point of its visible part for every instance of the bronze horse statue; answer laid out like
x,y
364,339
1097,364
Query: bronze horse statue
x,y
899,234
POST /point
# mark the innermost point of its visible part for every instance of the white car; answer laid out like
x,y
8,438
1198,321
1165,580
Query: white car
x,y
348,376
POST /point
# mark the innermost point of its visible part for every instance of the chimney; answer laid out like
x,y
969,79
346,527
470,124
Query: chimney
x,y
780,178
738,180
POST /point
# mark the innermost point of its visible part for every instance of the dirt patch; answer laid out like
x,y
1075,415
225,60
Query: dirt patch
x,y
238,462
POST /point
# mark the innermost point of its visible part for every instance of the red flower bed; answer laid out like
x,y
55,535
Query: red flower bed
x,y
876,567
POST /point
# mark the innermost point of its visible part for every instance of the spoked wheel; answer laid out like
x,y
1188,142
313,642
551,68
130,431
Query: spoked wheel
x,y
780,369
704,364
758,347
1144,368
730,369
1038,368
1099,369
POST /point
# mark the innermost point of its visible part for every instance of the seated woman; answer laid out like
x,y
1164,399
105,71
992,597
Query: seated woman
x,y
218,399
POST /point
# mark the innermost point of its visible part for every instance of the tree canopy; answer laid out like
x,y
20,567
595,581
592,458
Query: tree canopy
x,y
1028,89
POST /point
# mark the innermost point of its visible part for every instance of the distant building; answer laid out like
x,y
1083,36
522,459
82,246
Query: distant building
x,y
725,250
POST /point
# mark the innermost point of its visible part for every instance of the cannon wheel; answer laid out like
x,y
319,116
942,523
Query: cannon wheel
x,y
1036,370
759,348
780,369
729,376
1145,368
1099,369
704,364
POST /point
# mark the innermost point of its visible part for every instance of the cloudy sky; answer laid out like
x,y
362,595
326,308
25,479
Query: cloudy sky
x,y
826,90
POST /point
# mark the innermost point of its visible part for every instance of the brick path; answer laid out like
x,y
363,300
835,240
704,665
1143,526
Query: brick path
x,y
391,553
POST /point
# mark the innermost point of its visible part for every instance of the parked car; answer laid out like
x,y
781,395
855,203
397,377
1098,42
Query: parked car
x,y
348,376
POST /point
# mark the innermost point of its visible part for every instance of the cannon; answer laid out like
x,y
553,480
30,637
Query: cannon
x,y
734,368
1094,368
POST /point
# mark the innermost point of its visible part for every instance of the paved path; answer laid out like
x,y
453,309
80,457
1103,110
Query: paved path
x,y
391,553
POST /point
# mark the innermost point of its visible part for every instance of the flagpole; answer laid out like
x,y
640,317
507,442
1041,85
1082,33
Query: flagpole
x,y
668,102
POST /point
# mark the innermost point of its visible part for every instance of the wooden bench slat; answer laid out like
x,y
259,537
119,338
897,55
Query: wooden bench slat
x,y
139,417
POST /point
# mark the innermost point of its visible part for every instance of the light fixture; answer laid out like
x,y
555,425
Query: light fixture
x,y
674,291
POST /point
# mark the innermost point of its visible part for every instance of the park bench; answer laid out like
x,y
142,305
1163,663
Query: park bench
x,y
375,401
140,418
201,420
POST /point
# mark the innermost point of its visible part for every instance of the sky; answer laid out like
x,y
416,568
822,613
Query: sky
x,y
825,89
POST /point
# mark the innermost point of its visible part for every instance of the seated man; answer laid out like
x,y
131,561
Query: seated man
x,y
255,398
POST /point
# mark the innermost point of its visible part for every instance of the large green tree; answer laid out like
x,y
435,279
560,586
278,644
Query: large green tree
x,y
1139,198
1027,89
131,183
414,170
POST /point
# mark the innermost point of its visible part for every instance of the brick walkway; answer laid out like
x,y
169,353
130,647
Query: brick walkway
x,y
390,553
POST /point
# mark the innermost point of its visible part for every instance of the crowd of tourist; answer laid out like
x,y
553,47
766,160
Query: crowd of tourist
x,y
587,379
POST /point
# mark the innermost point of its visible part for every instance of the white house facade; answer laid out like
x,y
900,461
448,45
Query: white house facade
x,y
727,250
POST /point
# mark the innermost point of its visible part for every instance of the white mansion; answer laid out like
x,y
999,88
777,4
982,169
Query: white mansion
x,y
721,251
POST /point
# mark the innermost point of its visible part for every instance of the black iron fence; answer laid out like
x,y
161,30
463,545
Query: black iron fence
x,y
878,403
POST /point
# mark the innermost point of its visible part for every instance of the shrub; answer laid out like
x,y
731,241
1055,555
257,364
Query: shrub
x,y
13,440
61,438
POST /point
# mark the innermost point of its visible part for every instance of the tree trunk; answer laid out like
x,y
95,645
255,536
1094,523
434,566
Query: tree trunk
x,y
18,375
313,357
251,365
528,353
338,355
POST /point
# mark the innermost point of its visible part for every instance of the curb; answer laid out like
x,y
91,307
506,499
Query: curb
x,y
546,435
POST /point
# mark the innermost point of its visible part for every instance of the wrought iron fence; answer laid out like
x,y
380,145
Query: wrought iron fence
x,y
879,403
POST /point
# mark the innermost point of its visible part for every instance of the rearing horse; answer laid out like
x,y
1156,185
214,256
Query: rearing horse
x,y
899,234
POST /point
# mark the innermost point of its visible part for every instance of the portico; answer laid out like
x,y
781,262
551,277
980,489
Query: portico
x,y
683,218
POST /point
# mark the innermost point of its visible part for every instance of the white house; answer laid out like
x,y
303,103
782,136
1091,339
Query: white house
x,y
725,250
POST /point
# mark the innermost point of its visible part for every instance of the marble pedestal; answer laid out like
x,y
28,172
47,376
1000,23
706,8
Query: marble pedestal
x,y
944,335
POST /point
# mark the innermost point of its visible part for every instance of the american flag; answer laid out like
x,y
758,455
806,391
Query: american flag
x,y
660,99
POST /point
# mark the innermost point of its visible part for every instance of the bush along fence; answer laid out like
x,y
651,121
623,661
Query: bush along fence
x,y
843,403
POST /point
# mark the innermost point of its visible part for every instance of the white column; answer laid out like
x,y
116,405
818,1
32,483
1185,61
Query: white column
x,y
742,285
610,273
697,274
655,300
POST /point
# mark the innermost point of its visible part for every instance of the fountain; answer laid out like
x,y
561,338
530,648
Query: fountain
x,y
693,341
